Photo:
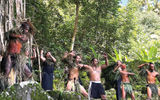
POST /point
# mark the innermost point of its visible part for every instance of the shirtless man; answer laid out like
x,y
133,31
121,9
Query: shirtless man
x,y
73,83
151,80
96,89
126,86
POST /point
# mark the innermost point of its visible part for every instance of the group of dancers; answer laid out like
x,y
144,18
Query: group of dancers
x,y
96,89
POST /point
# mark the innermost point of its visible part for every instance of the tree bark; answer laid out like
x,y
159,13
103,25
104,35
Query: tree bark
x,y
2,46
11,14
7,21
75,26
19,11
24,9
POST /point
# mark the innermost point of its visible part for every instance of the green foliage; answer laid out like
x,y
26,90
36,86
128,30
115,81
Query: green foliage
x,y
118,56
35,92
147,34
84,78
94,52
54,21
59,95
148,56
30,91
109,76
59,78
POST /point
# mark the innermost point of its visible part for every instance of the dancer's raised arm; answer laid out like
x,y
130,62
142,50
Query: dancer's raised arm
x,y
145,64
106,61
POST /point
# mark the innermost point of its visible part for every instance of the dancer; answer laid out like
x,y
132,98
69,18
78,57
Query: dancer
x,y
47,72
14,49
118,79
72,59
126,86
151,80
96,89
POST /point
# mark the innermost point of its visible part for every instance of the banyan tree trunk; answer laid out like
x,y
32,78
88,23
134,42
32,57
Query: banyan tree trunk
x,y
12,12
8,18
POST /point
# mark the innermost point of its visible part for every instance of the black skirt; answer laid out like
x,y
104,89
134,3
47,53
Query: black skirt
x,y
97,90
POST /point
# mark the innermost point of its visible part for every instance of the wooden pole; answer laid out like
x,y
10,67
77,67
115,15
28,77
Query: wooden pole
x,y
24,11
75,27
39,64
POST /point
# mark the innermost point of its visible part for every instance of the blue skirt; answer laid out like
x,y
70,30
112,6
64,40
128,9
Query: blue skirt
x,y
47,81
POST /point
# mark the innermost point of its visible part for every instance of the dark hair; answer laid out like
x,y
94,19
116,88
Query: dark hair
x,y
25,25
74,57
45,54
77,55
150,63
93,59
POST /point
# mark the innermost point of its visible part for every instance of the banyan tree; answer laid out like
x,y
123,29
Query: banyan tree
x,y
12,15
